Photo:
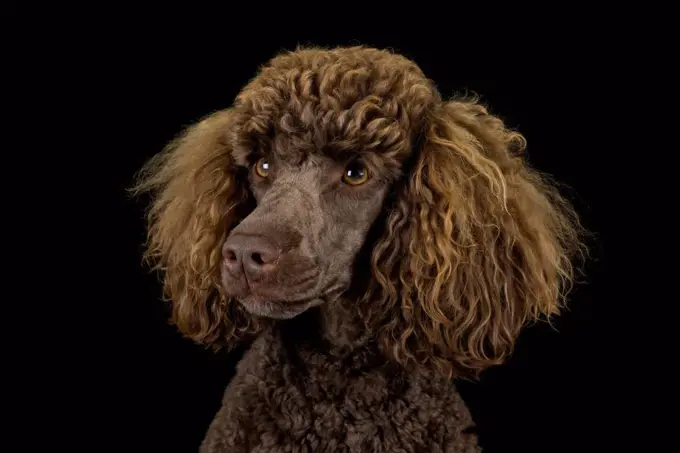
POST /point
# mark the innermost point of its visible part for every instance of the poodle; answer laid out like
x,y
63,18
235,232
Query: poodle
x,y
371,242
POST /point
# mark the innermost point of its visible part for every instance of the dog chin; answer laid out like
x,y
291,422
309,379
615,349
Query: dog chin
x,y
277,310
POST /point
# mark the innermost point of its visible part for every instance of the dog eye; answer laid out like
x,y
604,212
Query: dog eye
x,y
262,167
356,173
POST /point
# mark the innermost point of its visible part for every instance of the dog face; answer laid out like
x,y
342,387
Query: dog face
x,y
296,249
318,150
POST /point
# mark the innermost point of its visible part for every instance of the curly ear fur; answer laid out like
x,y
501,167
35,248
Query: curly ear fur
x,y
196,199
477,245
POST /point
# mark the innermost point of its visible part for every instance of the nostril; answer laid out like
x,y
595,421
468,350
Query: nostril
x,y
230,255
257,258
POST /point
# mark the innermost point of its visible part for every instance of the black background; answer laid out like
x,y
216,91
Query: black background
x,y
143,80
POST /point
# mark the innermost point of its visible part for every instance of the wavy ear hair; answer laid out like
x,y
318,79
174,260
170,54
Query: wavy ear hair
x,y
196,198
477,245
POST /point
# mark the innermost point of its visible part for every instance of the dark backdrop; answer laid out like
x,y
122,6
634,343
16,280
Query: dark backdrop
x,y
150,82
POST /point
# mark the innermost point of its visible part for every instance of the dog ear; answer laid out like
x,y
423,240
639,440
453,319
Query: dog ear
x,y
196,197
477,245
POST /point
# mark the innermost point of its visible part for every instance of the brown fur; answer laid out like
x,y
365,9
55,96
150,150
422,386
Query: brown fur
x,y
461,241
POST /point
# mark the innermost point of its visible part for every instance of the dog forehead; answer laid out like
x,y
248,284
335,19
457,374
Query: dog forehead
x,y
294,135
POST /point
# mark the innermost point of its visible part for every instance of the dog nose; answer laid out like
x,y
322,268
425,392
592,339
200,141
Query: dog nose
x,y
254,255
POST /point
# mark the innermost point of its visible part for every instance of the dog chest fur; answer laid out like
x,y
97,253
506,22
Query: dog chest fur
x,y
277,403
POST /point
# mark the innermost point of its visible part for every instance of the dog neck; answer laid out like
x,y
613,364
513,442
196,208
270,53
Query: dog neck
x,y
331,329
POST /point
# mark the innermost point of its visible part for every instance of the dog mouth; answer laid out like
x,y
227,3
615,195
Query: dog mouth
x,y
277,309
283,301
263,306
279,297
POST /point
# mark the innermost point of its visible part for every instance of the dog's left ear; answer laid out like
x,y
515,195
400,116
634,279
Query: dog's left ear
x,y
477,245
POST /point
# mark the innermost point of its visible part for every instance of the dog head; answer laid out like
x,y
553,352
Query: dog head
x,y
261,211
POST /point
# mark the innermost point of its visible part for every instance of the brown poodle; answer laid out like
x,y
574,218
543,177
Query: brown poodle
x,y
373,240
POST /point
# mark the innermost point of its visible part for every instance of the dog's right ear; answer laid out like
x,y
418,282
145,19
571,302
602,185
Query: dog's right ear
x,y
196,198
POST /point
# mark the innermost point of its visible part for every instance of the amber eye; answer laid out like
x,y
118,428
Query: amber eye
x,y
262,167
356,173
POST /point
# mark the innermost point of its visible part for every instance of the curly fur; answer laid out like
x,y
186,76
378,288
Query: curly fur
x,y
471,245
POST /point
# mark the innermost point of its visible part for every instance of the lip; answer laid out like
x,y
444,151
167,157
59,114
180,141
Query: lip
x,y
277,309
